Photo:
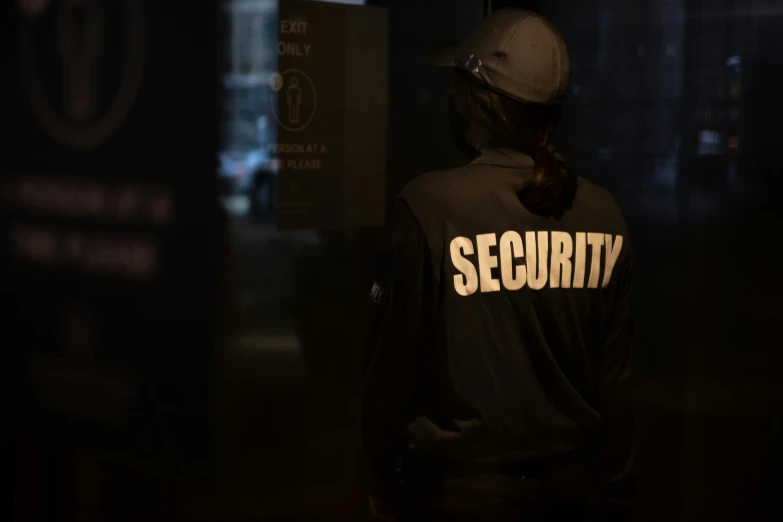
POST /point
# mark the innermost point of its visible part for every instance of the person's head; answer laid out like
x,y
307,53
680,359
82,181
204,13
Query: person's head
x,y
510,78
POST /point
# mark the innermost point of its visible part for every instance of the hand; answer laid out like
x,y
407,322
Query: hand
x,y
427,436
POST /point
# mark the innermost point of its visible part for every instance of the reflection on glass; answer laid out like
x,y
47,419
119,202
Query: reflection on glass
x,y
709,142
272,265
246,166
246,103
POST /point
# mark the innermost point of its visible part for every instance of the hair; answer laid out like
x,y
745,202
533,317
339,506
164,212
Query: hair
x,y
525,127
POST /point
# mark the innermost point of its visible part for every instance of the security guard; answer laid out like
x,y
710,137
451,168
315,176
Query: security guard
x,y
497,386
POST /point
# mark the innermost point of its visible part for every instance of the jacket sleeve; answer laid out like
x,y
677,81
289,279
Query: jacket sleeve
x,y
401,309
617,435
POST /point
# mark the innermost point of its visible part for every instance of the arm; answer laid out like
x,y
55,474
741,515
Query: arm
x,y
617,434
401,303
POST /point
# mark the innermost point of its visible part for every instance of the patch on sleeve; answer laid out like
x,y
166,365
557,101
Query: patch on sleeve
x,y
378,293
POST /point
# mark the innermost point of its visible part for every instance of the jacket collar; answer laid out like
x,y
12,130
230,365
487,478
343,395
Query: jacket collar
x,y
502,157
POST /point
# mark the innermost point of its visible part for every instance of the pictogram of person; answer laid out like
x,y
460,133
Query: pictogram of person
x,y
294,100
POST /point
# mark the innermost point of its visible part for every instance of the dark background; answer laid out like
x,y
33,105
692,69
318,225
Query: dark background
x,y
648,76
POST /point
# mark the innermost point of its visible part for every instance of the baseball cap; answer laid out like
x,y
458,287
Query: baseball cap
x,y
519,54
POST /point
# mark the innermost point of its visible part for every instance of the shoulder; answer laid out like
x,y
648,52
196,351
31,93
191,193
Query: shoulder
x,y
598,202
429,185
431,194
430,198
600,208
596,195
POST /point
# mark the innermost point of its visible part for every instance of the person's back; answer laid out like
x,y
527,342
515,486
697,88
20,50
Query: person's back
x,y
526,301
533,323
503,356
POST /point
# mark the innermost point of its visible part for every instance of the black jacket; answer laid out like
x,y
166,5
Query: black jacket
x,y
484,311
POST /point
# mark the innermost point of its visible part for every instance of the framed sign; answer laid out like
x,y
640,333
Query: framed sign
x,y
331,112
